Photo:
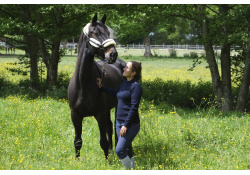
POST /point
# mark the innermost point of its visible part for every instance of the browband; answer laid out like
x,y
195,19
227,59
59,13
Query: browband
x,y
95,42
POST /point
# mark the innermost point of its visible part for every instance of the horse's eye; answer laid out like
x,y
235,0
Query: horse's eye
x,y
98,33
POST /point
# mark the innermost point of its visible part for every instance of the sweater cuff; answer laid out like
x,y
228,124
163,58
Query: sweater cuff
x,y
126,124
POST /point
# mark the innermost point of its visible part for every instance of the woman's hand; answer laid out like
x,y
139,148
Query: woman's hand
x,y
99,81
123,131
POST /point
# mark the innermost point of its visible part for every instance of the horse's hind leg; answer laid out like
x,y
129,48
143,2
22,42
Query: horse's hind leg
x,y
109,130
77,122
101,119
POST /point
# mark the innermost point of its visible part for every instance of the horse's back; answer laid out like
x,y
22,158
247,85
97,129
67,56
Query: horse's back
x,y
113,73
117,66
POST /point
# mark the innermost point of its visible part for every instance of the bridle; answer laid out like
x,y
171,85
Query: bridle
x,y
97,44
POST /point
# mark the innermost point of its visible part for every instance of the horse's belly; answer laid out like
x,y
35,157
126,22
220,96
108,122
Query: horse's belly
x,y
91,109
85,108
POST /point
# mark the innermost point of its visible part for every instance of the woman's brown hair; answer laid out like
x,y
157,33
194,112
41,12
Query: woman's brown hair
x,y
136,66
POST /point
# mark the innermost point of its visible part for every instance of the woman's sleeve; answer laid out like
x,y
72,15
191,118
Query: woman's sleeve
x,y
110,91
136,93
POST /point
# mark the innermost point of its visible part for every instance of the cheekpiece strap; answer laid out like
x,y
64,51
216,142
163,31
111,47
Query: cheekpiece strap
x,y
96,43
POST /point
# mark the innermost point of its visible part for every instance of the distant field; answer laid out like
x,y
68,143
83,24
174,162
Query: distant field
x,y
165,68
162,67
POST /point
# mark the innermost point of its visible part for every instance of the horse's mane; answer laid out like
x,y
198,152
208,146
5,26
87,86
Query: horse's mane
x,y
81,45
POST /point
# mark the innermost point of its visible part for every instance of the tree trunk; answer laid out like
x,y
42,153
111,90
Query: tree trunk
x,y
147,47
51,60
52,66
34,78
32,49
245,82
227,101
216,82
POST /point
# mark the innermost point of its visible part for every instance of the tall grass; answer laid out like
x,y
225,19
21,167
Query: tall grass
x,y
37,134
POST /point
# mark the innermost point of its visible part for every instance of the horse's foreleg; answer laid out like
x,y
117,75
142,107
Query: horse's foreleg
x,y
101,119
109,130
116,137
77,122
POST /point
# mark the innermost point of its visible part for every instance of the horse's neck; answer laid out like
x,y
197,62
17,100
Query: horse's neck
x,y
86,68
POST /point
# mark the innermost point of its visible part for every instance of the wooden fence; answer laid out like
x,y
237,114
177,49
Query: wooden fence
x,y
163,46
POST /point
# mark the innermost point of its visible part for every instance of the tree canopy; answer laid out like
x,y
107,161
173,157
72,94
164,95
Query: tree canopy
x,y
39,30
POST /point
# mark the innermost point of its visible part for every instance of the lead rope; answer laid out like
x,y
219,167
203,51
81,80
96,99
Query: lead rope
x,y
103,71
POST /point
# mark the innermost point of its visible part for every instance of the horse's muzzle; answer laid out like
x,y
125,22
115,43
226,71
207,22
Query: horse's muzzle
x,y
111,55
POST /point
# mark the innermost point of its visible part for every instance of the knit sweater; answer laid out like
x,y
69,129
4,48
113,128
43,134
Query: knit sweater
x,y
129,95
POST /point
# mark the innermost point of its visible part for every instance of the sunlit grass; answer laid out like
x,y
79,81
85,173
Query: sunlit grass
x,y
174,69
38,134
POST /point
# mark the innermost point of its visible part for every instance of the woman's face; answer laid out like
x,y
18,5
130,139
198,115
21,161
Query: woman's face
x,y
128,73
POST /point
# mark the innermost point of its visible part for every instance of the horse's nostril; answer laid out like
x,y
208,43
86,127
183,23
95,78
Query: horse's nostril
x,y
114,54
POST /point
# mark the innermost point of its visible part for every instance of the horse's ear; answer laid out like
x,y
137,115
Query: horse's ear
x,y
103,20
94,20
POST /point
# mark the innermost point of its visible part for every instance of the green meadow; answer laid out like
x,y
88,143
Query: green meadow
x,y
181,129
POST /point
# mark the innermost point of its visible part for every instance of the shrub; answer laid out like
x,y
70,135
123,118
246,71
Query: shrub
x,y
190,55
24,83
193,55
1,82
172,53
57,93
186,55
63,79
181,94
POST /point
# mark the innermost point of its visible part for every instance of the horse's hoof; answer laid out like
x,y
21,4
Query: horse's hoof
x,y
78,158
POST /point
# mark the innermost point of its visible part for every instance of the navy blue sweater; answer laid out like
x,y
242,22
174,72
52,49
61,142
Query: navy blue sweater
x,y
129,95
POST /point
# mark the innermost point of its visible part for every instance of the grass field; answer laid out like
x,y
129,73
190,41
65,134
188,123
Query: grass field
x,y
166,69
37,134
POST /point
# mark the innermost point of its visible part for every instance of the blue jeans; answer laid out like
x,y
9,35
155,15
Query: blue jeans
x,y
124,144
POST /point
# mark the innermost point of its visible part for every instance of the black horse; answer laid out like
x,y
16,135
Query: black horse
x,y
85,98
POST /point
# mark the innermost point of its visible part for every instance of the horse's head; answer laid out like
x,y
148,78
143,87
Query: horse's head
x,y
98,36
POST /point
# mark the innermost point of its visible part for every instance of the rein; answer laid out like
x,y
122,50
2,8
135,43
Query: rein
x,y
103,70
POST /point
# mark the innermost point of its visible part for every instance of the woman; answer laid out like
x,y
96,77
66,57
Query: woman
x,y
127,122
